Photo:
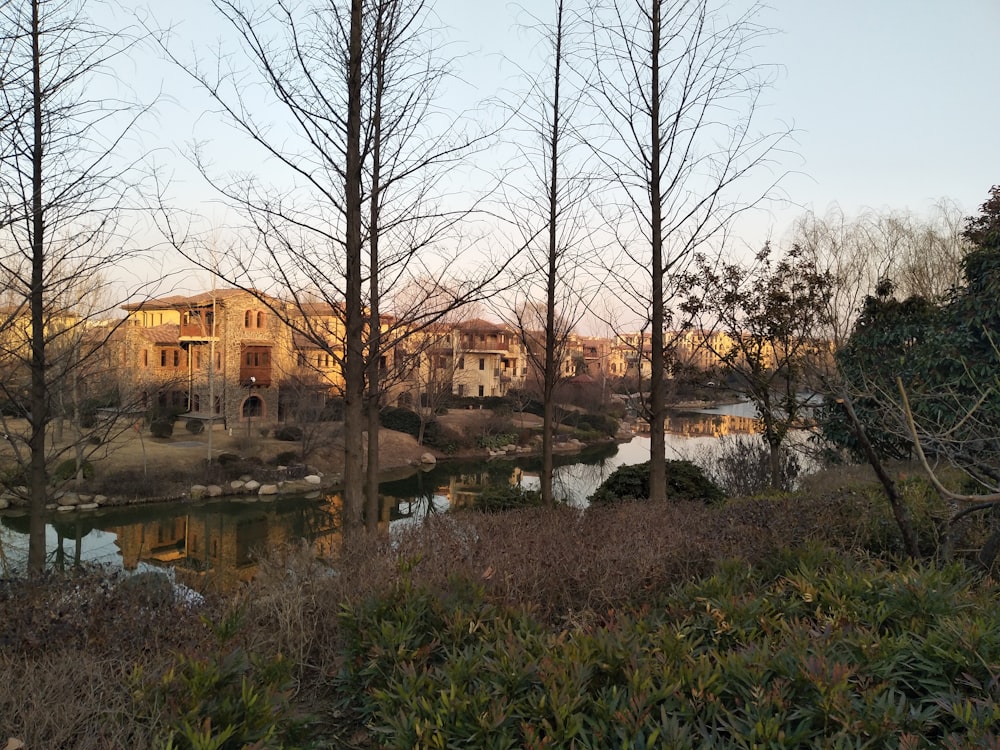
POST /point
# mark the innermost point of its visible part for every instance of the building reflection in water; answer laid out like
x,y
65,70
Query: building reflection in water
x,y
220,544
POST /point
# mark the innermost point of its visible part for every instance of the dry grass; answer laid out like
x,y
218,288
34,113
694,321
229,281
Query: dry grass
x,y
73,644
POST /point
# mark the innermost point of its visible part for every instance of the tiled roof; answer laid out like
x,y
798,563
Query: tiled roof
x,y
196,300
167,334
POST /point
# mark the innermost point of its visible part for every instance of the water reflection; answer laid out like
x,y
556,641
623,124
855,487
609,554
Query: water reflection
x,y
219,543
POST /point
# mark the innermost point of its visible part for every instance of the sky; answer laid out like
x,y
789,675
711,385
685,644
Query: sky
x,y
894,103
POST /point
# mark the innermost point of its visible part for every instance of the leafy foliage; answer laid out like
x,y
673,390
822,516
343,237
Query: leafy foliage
x,y
811,650
401,420
685,481
162,428
288,433
229,701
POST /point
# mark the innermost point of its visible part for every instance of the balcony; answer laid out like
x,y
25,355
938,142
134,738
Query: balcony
x,y
196,332
261,376
255,362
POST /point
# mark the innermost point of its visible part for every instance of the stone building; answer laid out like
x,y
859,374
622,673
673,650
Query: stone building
x,y
217,356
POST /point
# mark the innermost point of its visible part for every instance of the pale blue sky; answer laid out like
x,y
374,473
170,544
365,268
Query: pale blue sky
x,y
895,102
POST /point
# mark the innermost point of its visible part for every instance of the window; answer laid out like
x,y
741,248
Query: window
x,y
196,402
461,363
246,319
481,391
218,360
482,366
197,358
145,358
177,358
461,389
260,320
163,357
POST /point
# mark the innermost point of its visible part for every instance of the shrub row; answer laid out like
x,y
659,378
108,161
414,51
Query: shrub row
x,y
811,650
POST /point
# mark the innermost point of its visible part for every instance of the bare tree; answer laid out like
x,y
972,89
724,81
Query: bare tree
x,y
549,213
66,184
356,84
679,92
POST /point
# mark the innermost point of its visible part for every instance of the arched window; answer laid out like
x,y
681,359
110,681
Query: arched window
x,y
246,318
260,319
253,407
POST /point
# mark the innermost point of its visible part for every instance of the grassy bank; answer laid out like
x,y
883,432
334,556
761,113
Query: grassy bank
x,y
781,621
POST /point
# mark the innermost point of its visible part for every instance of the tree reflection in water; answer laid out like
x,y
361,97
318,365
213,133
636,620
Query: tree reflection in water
x,y
223,541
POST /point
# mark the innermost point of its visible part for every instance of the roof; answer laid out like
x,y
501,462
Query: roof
x,y
478,324
179,301
164,335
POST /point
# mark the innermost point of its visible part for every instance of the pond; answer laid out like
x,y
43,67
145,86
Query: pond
x,y
219,540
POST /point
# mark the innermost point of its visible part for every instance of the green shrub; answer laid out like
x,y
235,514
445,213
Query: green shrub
x,y
685,481
401,420
288,433
496,498
162,428
66,470
286,457
814,650
497,441
195,426
229,701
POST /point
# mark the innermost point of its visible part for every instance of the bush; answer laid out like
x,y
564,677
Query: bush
x,y
66,470
741,464
195,426
229,700
400,419
496,441
811,650
161,428
288,433
496,498
286,457
685,481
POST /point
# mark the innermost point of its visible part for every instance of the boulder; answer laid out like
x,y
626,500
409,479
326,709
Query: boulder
x,y
428,458
68,498
213,490
88,506
198,491
65,508
4,503
251,485
237,485
268,489
313,479
100,499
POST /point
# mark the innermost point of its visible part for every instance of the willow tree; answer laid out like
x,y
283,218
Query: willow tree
x,y
679,93
66,181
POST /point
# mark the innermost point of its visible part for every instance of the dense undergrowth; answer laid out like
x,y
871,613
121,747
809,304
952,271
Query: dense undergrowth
x,y
782,621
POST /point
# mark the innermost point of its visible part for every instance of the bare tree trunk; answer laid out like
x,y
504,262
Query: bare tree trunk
x,y
38,475
899,510
354,314
657,384
374,317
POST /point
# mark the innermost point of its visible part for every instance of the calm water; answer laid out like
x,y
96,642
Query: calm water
x,y
219,540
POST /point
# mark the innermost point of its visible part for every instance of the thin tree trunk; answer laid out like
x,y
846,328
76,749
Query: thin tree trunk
x,y
354,314
37,474
899,510
657,383
552,336
374,319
